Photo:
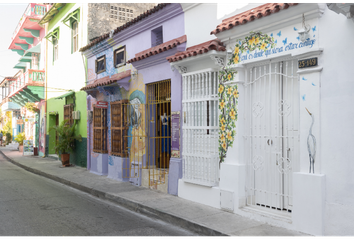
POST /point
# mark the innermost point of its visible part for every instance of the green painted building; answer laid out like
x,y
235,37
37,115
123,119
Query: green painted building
x,y
66,32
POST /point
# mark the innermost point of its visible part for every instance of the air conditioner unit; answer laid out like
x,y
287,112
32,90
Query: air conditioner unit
x,y
76,115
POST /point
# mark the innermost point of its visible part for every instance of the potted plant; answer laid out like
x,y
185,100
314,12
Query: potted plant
x,y
19,138
65,143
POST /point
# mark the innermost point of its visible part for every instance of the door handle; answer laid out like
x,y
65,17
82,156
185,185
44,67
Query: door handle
x,y
270,142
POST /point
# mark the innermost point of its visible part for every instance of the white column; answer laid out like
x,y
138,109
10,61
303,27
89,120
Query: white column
x,y
233,169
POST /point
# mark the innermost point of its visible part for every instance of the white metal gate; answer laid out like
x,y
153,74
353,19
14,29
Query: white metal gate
x,y
272,136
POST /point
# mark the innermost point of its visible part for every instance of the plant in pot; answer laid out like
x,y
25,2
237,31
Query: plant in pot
x,y
19,138
66,139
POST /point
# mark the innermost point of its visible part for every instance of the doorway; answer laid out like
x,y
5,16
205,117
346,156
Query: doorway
x,y
272,133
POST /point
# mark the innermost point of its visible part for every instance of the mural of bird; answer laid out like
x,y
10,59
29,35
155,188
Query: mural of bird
x,y
311,145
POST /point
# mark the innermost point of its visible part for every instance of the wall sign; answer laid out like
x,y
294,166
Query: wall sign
x,y
175,136
310,62
27,147
101,104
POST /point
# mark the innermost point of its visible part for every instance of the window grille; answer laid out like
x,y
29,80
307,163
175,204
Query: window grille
x,y
200,128
119,128
100,130
68,110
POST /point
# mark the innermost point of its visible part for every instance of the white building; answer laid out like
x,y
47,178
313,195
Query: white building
x,y
284,62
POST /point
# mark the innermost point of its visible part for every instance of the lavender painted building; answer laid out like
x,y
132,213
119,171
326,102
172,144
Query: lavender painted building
x,y
130,100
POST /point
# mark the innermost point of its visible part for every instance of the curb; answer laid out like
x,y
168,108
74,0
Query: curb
x,y
128,204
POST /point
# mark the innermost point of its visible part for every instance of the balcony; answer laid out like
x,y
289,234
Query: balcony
x,y
29,87
28,28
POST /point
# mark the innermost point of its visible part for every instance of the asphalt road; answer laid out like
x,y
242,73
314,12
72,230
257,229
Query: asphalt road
x,y
31,205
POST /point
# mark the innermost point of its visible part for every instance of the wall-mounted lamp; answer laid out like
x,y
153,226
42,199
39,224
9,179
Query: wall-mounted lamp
x,y
304,31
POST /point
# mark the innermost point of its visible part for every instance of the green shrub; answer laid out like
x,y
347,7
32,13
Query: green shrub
x,y
20,137
8,138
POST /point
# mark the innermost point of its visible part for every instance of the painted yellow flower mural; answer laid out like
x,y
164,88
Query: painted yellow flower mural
x,y
235,93
224,145
236,59
229,76
263,46
222,138
232,114
229,136
256,40
222,104
221,88
228,100
251,40
229,90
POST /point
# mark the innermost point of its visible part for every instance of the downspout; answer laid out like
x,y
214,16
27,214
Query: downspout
x,y
45,97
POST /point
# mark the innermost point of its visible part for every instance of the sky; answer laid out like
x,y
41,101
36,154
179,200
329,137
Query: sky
x,y
10,15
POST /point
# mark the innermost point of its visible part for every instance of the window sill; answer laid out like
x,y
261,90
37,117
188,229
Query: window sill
x,y
101,71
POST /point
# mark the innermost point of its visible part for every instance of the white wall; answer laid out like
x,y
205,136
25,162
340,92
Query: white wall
x,y
337,128
201,19
68,72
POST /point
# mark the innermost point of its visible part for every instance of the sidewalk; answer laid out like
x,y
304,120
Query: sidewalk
x,y
196,217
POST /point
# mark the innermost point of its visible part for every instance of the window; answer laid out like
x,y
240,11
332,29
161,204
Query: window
x,y
200,128
119,128
119,57
99,130
101,64
55,49
156,37
75,35
68,110
35,61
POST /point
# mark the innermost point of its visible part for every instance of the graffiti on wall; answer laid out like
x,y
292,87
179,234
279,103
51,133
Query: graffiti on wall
x,y
136,131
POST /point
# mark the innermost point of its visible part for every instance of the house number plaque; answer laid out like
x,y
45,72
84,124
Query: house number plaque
x,y
310,62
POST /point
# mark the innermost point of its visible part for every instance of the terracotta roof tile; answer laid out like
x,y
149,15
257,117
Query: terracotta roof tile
x,y
107,80
126,25
158,49
250,15
215,44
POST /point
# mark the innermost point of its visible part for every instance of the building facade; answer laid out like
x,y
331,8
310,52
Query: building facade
x,y
276,105
135,101
25,91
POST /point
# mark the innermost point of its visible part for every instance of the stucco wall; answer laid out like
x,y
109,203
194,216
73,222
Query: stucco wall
x,y
337,130
68,71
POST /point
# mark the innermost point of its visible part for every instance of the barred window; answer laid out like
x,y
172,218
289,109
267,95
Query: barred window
x,y
119,128
68,113
100,130
200,128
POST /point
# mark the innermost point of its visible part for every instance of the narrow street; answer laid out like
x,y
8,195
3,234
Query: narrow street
x,y
32,205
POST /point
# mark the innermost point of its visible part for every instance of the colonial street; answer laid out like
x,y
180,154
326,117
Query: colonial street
x,y
31,205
